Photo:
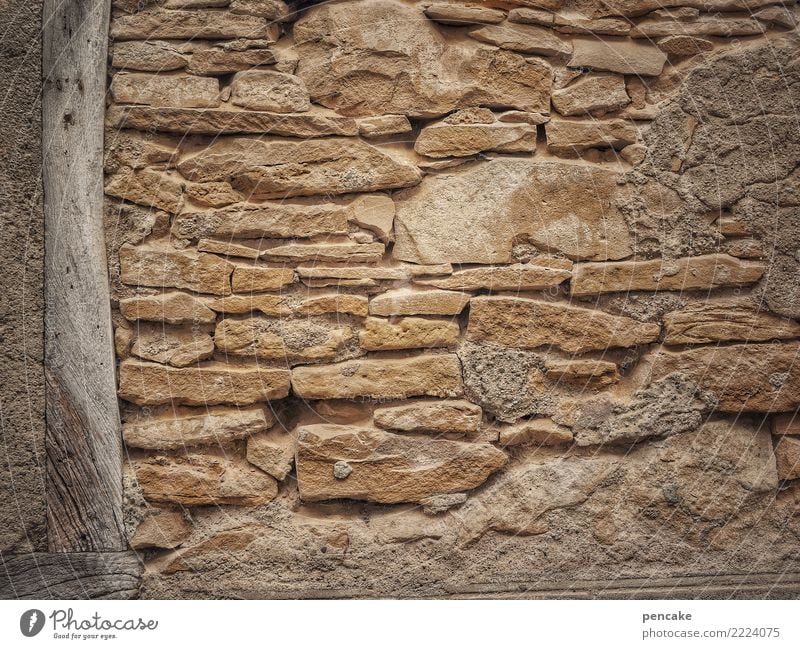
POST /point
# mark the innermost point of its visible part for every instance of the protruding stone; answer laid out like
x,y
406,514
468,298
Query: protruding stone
x,y
203,480
434,417
266,169
269,90
404,301
408,333
387,468
624,57
592,95
523,38
162,529
160,90
685,274
171,308
527,324
453,14
536,432
433,375
165,267
517,277
272,452
444,140
195,427
211,384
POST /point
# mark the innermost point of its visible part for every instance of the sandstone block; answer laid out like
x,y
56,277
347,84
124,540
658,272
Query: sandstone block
x,y
523,38
408,333
170,24
163,529
570,138
535,432
210,384
787,458
527,324
171,308
682,45
274,305
212,194
517,277
272,452
146,187
343,303
582,374
228,249
387,468
203,480
452,14
433,375
266,169
435,417
252,279
444,140
195,427
383,125
165,90
176,347
271,9
326,252
405,301
148,56
165,267
623,57
704,26
269,90
592,95
685,274
221,61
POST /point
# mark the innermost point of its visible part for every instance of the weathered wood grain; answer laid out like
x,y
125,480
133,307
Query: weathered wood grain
x,y
85,575
83,443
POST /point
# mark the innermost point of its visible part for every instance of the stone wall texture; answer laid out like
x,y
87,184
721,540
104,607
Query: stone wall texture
x,y
436,298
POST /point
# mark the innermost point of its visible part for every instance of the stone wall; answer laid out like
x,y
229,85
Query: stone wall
x,y
434,298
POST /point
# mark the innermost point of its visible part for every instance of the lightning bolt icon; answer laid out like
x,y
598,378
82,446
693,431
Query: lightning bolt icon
x,y
32,621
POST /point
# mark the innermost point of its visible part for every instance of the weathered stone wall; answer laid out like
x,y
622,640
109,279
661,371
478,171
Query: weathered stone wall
x,y
433,298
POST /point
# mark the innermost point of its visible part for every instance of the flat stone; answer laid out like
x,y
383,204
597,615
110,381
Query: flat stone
x,y
203,480
444,140
582,373
725,320
195,427
271,9
452,14
163,529
703,26
228,249
624,57
682,45
570,24
592,95
523,38
434,417
274,305
640,7
148,56
146,187
168,268
777,16
517,277
744,378
687,273
272,452
570,138
264,169
535,432
404,301
786,424
387,468
213,60
433,375
210,384
195,121
162,90
198,23
527,324
343,303
175,347
212,194
269,90
787,458
383,125
252,279
476,215
170,308
353,272
408,333
441,503
326,252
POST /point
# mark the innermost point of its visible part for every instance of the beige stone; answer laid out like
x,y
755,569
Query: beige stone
x,y
568,138
272,451
640,7
274,305
777,16
682,45
164,90
198,23
582,373
408,333
703,26
685,274
165,267
455,14
171,308
568,24
517,277
326,252
209,384
220,122
219,547
725,320
444,140
434,417
203,480
162,529
212,194
266,169
593,95
220,61
476,215
523,38
136,150
535,432
374,213
353,272
187,427
786,424
526,323
744,378
269,90
624,57
228,249
148,56
387,468
343,303
146,187
176,347
404,301
272,9
251,279
787,458
383,125
433,375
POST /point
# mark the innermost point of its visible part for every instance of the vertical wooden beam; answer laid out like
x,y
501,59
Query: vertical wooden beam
x,y
83,445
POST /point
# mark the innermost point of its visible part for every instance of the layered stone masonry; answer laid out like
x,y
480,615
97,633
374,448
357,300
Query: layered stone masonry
x,y
380,250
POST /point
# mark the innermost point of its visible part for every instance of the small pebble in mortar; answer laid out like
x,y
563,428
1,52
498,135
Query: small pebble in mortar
x,y
341,470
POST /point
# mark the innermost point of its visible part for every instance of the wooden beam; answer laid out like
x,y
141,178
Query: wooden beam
x,y
83,444
85,575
